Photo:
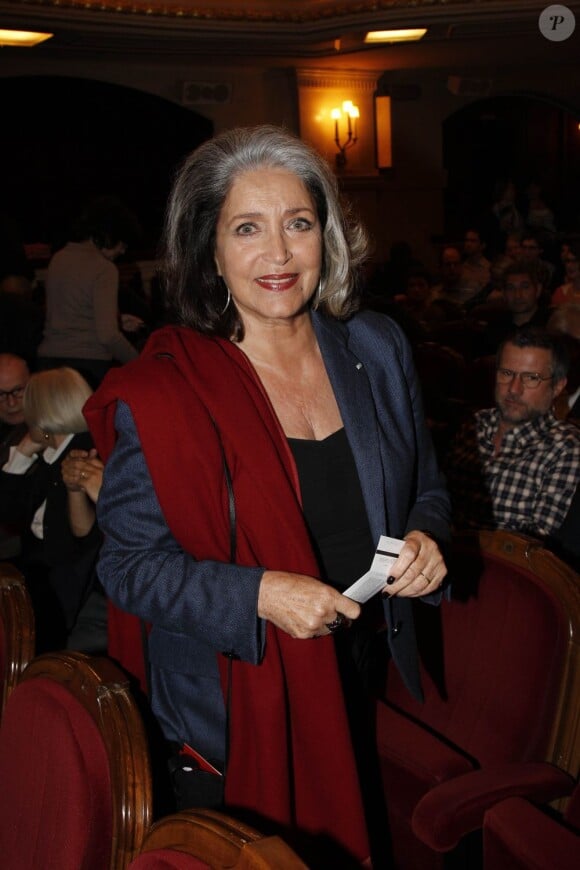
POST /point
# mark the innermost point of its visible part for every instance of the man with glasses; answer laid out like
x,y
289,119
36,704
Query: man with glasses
x,y
516,466
14,376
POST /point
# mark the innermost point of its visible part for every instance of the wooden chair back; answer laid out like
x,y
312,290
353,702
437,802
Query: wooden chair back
x,y
501,677
74,765
16,629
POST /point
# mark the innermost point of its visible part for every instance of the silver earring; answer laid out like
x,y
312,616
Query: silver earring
x,y
228,300
318,293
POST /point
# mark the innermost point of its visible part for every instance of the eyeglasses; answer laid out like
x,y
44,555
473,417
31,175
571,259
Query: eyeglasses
x,y
530,380
16,393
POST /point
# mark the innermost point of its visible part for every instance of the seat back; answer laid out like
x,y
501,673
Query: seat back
x,y
16,629
500,671
74,767
501,659
197,839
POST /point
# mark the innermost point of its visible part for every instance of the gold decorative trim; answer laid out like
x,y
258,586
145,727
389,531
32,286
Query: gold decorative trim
x,y
263,11
361,80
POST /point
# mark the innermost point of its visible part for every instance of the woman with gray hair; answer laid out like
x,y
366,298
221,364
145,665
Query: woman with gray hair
x,y
59,566
257,451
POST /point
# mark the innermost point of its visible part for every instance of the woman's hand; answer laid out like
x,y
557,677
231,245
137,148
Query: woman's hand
x,y
82,471
30,445
131,323
419,569
302,606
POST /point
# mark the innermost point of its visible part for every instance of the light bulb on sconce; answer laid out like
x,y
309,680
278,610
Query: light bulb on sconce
x,y
351,114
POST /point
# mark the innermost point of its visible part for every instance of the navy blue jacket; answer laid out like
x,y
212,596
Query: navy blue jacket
x,y
200,608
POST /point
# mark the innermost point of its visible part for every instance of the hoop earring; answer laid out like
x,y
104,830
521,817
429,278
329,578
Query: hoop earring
x,y
228,300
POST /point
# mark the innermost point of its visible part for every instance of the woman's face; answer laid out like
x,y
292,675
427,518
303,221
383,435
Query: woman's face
x,y
269,246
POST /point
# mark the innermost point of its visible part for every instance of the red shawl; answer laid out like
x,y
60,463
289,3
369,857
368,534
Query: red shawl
x,y
291,756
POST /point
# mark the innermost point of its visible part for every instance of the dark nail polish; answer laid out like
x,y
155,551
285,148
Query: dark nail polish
x,y
390,581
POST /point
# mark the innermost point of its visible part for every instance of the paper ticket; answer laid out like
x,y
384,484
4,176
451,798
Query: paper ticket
x,y
374,580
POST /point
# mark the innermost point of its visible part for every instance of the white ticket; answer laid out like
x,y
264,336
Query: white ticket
x,y
376,579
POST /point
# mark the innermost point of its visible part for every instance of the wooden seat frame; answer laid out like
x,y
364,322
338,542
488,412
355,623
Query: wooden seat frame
x,y
103,690
17,617
221,841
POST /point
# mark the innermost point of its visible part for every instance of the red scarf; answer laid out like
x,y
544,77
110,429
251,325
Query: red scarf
x,y
290,756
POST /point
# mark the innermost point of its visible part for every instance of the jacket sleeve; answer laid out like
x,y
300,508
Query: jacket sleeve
x,y
431,510
145,571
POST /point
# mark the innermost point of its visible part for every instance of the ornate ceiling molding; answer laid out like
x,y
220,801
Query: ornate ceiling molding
x,y
360,80
301,12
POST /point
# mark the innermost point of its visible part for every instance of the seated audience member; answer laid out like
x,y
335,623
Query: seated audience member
x,y
476,268
504,218
57,563
522,293
566,319
565,542
449,275
539,215
14,376
417,296
532,246
513,246
516,466
569,291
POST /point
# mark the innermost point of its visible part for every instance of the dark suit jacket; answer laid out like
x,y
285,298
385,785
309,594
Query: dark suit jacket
x,y
65,561
198,608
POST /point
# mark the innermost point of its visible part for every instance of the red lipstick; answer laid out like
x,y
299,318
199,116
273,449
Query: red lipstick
x,y
278,283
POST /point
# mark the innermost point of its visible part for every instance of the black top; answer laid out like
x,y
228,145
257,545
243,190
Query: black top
x,y
333,507
336,517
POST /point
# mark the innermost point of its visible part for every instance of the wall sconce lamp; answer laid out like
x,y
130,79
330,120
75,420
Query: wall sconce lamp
x,y
352,115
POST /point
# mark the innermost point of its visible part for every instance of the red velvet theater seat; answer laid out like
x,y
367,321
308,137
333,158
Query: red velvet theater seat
x,y
202,839
16,629
501,674
74,768
520,836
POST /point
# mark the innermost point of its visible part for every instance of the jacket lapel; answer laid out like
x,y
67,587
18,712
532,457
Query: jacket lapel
x,y
353,394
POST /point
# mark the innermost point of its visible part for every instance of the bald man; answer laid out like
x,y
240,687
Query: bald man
x,y
14,376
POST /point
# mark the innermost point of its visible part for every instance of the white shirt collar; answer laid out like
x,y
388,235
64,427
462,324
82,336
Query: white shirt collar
x,y
50,454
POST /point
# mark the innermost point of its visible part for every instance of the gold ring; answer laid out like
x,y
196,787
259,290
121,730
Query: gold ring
x,y
426,578
83,475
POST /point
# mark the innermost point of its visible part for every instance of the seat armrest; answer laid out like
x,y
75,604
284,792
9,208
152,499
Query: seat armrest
x,y
452,809
518,834
407,745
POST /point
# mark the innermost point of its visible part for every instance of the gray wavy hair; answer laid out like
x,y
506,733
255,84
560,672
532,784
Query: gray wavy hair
x,y
195,291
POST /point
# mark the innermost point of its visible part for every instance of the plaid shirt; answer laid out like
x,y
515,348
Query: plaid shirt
x,y
527,487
